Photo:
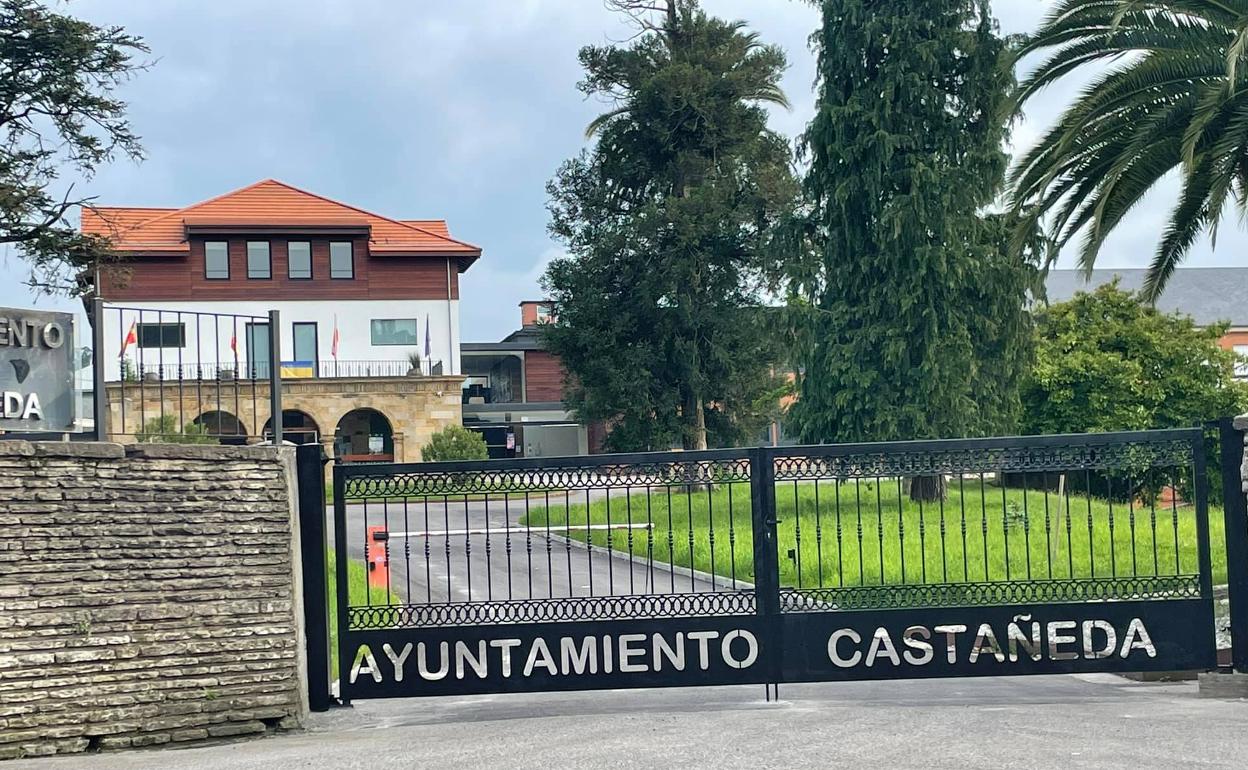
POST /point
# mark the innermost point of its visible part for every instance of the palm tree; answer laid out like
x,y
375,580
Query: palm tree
x,y
1172,96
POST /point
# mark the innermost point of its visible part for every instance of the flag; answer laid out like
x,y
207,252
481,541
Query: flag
x,y
333,349
132,338
428,345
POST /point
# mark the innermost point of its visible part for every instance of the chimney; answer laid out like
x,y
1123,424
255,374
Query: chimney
x,y
534,312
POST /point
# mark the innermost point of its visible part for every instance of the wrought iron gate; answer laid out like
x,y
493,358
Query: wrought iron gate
x,y
916,559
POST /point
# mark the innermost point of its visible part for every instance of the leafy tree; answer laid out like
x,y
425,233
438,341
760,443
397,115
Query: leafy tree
x,y
1106,361
1175,99
455,442
58,112
908,307
658,307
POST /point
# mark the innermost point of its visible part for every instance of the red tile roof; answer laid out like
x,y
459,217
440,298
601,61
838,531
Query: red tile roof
x,y
272,203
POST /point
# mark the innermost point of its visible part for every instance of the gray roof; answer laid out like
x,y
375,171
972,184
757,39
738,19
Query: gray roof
x,y
1208,294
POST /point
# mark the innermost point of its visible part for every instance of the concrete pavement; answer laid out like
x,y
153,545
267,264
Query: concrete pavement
x,y
1054,721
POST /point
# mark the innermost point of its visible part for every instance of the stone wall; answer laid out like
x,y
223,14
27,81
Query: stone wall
x,y
415,407
148,595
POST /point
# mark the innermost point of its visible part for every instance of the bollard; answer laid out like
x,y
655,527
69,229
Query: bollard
x,y
378,558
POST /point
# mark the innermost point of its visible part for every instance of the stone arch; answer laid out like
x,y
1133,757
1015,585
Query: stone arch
x,y
224,425
298,427
364,434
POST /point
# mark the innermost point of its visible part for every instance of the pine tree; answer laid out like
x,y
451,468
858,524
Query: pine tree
x,y
659,317
908,310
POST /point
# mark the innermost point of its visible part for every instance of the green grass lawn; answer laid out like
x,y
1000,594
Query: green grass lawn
x,y
357,584
869,516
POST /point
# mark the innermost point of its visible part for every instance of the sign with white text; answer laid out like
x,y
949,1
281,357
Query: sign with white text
x,y
1159,635
37,372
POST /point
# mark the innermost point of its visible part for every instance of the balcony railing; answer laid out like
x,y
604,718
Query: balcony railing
x,y
258,370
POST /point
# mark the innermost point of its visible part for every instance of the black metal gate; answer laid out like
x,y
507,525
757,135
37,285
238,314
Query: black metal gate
x,y
916,559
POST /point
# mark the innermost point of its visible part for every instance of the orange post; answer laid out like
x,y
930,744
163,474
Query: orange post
x,y
378,561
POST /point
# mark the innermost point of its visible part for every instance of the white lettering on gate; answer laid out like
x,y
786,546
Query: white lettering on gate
x,y
1015,637
1137,638
703,639
834,653
397,660
1057,639
365,663
505,646
463,655
540,650
725,649
880,640
422,665
986,641
586,660
1111,639
675,655
923,647
628,651
951,639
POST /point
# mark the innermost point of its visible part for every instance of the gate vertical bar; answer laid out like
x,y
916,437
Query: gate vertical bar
x,y
766,553
313,547
341,599
100,400
1235,510
275,374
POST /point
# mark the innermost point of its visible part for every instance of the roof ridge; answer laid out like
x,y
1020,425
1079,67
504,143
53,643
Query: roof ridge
x,y
202,203
399,222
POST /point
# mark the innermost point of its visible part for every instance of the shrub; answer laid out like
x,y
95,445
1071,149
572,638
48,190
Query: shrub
x,y
454,442
164,430
1107,361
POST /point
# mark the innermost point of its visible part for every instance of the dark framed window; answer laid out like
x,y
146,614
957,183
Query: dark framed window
x,y
341,260
394,331
299,259
259,263
161,335
216,260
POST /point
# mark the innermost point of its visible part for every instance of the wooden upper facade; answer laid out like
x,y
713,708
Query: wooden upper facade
x,y
201,252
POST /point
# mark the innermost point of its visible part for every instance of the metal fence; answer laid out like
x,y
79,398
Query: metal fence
x,y
1055,519
186,377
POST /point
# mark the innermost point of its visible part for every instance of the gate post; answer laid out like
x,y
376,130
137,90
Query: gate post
x,y
1235,510
275,374
310,473
766,553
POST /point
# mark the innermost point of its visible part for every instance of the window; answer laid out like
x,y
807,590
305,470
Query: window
x,y
400,331
299,259
341,260
305,343
258,265
216,260
161,335
1241,366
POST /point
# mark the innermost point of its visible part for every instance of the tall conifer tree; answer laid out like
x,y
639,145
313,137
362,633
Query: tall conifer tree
x,y
659,306
909,314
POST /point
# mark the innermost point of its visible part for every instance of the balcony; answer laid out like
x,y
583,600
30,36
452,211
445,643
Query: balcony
x,y
259,370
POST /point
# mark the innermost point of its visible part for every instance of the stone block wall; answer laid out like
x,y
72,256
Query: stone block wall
x,y
148,595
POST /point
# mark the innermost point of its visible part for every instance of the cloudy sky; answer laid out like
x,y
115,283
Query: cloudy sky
x,y
455,109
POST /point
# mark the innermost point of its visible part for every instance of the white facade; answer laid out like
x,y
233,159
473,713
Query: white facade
x,y
206,338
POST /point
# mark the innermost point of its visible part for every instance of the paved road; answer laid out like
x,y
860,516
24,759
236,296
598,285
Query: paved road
x,y
1043,722
517,565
